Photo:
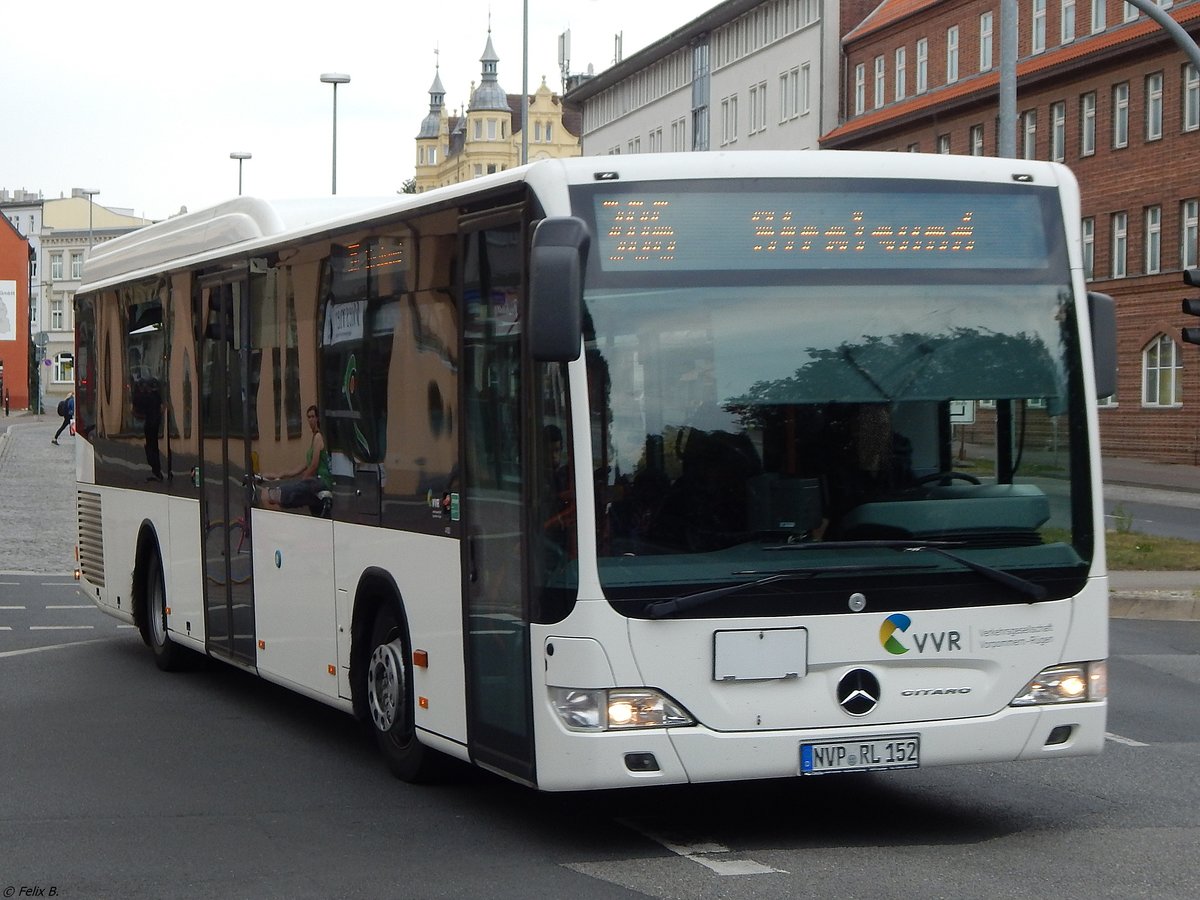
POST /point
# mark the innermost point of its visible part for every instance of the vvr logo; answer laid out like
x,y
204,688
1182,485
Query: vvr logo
x,y
934,642
887,633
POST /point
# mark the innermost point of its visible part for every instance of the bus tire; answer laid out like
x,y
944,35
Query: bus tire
x,y
168,655
389,701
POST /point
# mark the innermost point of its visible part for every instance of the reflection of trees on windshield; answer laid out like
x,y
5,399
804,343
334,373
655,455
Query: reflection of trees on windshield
x,y
966,363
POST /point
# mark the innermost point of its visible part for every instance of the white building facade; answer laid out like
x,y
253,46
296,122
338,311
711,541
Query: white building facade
x,y
746,75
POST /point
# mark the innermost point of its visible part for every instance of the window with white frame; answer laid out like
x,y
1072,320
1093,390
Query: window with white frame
x,y
1162,371
1153,223
1120,136
1189,234
901,74
922,65
56,266
1058,131
951,54
729,123
758,107
1130,12
64,368
788,84
943,143
1154,106
1191,98
58,315
679,135
860,89
1087,124
804,95
76,264
1067,22
977,140
1029,134
1099,16
880,81
1037,34
1087,230
986,28
1120,244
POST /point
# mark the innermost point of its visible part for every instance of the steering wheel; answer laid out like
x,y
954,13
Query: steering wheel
x,y
947,476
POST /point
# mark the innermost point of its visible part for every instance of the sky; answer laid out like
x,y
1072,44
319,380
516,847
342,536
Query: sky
x,y
144,101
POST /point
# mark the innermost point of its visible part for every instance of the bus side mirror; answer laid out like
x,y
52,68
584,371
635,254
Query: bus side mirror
x,y
1102,313
557,261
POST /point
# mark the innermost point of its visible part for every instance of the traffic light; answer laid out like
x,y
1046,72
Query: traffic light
x,y
1191,307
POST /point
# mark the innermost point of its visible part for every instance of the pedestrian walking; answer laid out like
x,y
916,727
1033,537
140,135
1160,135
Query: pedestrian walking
x,y
66,409
6,401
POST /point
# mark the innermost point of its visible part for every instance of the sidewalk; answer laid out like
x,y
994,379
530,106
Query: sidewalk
x,y
37,484
37,515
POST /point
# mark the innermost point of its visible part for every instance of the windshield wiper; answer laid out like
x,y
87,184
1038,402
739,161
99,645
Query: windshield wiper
x,y
660,609
1016,582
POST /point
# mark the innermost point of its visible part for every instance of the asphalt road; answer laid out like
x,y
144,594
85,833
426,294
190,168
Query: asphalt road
x,y
122,781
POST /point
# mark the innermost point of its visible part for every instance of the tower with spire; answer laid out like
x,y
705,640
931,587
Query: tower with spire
x,y
487,139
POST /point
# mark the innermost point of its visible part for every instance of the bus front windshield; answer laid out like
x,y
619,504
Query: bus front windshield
x,y
761,442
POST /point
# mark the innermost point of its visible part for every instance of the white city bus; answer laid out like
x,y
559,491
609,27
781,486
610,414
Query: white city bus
x,y
637,470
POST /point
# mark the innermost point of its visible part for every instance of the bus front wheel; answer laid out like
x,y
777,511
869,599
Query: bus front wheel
x,y
390,701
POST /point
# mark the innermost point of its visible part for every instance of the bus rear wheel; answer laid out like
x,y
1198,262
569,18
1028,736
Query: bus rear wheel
x,y
168,655
389,698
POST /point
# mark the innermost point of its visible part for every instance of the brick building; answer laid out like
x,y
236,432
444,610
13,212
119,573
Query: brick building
x,y
14,315
1103,90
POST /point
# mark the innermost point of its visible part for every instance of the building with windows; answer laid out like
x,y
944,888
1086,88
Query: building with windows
x,y
1102,89
454,148
746,75
15,259
70,226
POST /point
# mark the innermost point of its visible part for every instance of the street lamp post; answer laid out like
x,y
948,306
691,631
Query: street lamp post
x,y
335,78
241,157
91,203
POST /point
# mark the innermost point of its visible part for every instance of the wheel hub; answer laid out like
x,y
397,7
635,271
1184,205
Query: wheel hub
x,y
385,684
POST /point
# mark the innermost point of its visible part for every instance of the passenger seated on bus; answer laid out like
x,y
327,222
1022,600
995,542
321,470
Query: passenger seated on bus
x,y
310,485
865,460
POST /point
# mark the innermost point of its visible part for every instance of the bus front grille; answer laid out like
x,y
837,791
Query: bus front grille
x,y
91,538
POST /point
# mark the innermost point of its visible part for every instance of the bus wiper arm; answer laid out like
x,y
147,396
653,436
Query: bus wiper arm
x,y
660,609
1016,582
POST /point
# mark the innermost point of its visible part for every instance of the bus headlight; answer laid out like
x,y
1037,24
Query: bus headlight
x,y
617,709
1069,683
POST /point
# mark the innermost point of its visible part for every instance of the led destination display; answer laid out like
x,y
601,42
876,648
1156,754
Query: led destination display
x,y
719,230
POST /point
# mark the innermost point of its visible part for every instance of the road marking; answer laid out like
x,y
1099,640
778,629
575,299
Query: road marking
x,y
78,606
1128,742
59,584
710,854
5,628
5,653
62,627
12,607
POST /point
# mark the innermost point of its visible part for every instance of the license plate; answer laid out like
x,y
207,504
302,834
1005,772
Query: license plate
x,y
866,755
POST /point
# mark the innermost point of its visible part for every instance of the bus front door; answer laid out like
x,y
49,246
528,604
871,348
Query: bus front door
x,y
225,457
499,702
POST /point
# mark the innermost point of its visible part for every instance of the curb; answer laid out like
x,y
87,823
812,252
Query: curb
x,y
1174,606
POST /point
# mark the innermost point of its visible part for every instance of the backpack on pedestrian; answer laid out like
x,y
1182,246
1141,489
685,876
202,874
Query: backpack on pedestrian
x,y
62,408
